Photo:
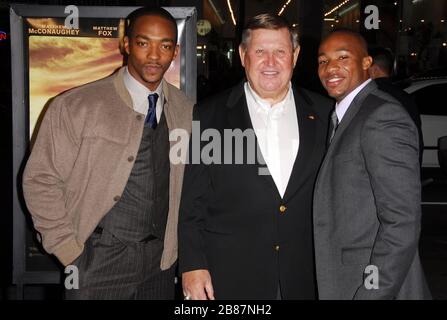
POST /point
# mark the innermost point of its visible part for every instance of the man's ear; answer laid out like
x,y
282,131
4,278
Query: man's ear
x,y
126,45
175,52
296,53
367,62
242,53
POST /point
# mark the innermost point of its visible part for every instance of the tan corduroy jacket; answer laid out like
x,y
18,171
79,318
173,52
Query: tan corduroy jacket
x,y
82,159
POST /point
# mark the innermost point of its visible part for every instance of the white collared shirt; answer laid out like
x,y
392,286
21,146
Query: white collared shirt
x,y
139,94
276,128
342,106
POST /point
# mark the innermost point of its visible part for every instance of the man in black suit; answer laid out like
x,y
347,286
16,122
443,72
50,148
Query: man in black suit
x,y
381,71
245,229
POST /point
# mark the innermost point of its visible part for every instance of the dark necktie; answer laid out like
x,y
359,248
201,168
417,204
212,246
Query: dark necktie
x,y
334,125
151,118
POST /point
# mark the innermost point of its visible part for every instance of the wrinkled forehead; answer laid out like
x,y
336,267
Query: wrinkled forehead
x,y
280,36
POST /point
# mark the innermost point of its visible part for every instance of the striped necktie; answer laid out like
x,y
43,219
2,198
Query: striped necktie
x,y
151,118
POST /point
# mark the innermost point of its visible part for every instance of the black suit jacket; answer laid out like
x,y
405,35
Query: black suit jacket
x,y
230,218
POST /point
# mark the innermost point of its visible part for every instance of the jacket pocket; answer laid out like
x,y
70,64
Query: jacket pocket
x,y
355,256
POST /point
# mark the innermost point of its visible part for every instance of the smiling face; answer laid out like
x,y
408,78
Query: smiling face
x,y
151,49
343,64
269,60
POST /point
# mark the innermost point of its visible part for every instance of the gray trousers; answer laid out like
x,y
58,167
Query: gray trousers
x,y
111,269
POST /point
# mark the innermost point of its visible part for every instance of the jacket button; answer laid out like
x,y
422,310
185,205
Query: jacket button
x,y
139,117
130,159
276,248
282,208
116,198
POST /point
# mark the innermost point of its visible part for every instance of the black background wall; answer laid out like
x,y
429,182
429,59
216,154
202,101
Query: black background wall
x,y
5,156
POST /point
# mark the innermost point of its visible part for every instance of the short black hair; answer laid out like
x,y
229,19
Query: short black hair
x,y
350,32
384,58
149,11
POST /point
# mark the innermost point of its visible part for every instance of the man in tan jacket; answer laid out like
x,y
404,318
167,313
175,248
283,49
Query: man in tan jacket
x,y
99,184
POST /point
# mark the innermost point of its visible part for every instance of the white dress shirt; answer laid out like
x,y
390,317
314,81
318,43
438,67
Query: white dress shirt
x,y
139,94
276,128
342,106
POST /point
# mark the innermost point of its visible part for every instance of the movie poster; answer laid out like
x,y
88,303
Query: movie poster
x,y
62,58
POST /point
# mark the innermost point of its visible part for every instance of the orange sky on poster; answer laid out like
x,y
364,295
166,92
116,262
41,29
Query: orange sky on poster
x,y
59,63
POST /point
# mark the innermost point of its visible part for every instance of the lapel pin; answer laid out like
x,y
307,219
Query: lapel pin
x,y
311,117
